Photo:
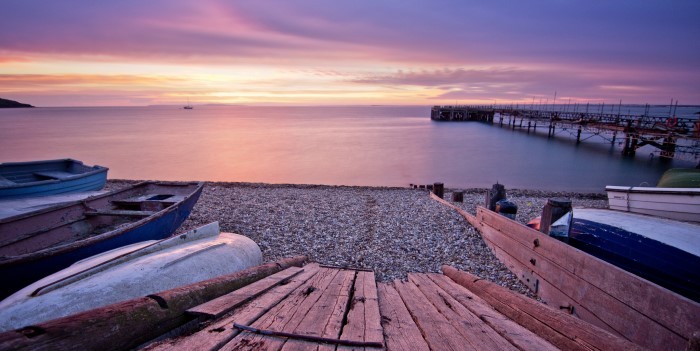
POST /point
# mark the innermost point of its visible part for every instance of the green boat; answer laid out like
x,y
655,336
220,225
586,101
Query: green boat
x,y
680,178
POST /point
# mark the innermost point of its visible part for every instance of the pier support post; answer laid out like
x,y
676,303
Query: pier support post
x,y
578,135
668,149
614,137
528,126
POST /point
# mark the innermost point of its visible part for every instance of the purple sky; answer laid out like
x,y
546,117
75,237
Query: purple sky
x,y
348,52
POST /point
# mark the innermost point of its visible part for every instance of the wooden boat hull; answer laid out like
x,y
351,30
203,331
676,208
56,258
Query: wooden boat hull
x,y
107,278
587,287
681,204
37,244
52,177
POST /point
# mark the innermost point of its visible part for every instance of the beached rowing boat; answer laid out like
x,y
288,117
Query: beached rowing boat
x,y
132,271
39,243
41,178
682,204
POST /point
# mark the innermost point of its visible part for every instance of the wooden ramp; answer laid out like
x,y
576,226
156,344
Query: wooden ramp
x,y
325,308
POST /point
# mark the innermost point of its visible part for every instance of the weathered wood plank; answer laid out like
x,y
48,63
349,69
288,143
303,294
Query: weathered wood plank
x,y
363,319
325,318
670,310
217,307
119,213
541,319
439,333
474,331
614,314
217,334
518,335
401,332
130,323
519,261
287,315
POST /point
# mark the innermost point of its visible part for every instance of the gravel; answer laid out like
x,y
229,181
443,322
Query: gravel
x,y
392,231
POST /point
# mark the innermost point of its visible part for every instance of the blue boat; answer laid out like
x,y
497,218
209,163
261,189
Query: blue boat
x,y
51,177
40,243
663,251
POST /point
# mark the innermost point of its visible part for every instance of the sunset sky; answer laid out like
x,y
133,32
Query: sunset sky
x,y
128,52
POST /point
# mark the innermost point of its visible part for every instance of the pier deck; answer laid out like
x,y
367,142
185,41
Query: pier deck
x,y
673,137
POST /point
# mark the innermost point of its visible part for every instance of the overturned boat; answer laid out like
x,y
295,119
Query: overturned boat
x,y
132,271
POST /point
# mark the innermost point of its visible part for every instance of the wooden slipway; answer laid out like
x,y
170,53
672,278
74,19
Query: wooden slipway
x,y
315,307
589,288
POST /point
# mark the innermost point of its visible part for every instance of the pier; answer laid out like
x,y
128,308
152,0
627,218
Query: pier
x,y
673,137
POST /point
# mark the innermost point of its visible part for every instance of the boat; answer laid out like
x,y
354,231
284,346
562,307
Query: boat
x,y
188,106
39,243
18,206
588,287
680,178
107,278
663,251
675,203
50,177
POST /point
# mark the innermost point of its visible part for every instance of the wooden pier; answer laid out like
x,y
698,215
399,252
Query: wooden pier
x,y
674,137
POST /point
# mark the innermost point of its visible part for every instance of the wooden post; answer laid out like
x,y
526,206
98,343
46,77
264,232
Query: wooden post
x,y
553,210
458,196
614,137
497,192
578,135
439,189
528,126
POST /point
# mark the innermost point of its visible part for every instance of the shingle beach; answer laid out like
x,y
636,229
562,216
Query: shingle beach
x,y
392,231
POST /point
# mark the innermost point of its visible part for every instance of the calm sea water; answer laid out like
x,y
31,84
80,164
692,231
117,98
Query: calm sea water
x,y
370,145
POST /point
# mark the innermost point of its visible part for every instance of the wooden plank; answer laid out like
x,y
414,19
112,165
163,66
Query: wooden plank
x,y
554,292
562,330
661,317
400,331
518,335
474,331
119,213
217,334
363,319
325,318
219,306
439,333
287,315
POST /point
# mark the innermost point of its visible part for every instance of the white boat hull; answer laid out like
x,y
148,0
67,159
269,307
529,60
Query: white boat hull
x,y
681,204
136,270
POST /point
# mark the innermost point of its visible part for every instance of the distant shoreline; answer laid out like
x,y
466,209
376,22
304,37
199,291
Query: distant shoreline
x,y
5,103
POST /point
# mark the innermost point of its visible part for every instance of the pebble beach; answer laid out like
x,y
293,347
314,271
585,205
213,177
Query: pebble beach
x,y
392,231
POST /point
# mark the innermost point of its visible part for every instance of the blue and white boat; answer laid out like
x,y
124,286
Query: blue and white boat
x,y
660,250
36,244
51,177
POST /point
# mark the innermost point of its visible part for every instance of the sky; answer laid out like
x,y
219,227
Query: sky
x,y
307,52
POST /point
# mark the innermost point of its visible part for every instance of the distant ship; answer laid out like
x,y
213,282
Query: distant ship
x,y
188,106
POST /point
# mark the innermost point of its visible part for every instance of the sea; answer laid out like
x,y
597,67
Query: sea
x,y
334,145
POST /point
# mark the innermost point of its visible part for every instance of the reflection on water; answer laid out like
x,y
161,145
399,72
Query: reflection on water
x,y
379,145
